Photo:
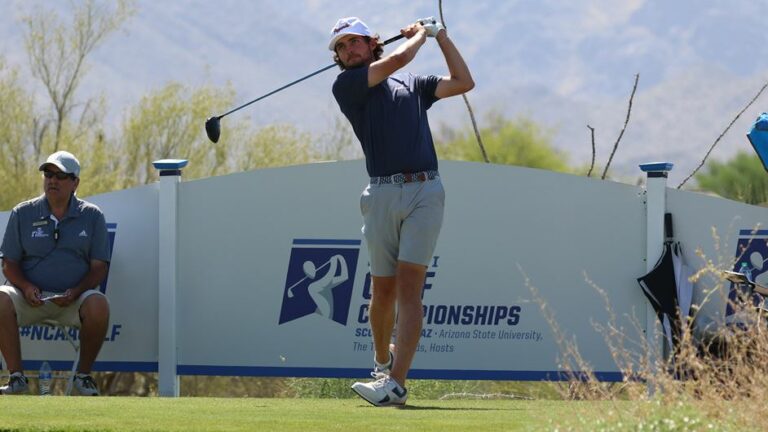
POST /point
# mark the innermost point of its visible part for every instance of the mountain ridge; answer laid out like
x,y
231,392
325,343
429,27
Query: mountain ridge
x,y
563,65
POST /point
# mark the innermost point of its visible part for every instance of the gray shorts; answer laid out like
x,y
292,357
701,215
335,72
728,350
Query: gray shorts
x,y
27,314
401,223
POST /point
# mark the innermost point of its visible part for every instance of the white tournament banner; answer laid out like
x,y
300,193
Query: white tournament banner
x,y
273,278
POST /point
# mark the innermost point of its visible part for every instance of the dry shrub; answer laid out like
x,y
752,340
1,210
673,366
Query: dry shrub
x,y
709,381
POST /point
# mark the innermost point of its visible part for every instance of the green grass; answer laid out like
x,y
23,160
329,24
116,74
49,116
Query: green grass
x,y
34,413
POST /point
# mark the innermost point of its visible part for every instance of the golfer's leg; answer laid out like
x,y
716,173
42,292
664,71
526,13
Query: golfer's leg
x,y
410,314
381,230
382,314
10,345
323,305
94,317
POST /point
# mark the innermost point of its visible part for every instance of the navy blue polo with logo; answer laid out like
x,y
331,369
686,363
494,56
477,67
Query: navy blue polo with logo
x,y
55,255
390,119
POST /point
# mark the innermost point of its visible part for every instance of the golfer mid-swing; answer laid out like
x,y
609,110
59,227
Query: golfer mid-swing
x,y
402,206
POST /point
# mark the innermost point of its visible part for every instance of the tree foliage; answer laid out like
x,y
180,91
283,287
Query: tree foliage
x,y
57,55
509,142
17,161
168,123
742,178
275,145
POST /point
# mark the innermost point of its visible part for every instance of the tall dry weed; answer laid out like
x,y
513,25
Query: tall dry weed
x,y
719,374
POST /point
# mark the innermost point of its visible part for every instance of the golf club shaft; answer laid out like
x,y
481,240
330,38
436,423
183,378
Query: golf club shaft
x,y
392,39
290,289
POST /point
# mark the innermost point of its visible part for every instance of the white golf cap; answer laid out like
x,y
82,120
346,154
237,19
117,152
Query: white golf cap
x,y
348,26
65,161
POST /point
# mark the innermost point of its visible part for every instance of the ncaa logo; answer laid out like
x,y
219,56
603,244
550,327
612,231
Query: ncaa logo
x,y
752,251
320,279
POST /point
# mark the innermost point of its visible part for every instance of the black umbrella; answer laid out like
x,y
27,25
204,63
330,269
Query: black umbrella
x,y
661,286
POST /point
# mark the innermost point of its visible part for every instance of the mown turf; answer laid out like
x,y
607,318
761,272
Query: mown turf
x,y
34,413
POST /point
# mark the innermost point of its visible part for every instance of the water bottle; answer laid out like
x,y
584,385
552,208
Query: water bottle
x,y
746,271
44,379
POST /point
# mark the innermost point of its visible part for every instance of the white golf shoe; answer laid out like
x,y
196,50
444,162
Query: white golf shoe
x,y
382,392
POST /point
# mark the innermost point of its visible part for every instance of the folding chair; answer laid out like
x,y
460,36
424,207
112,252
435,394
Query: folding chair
x,y
75,345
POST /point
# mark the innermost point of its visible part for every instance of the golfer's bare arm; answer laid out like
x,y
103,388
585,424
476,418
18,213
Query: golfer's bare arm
x,y
381,69
460,79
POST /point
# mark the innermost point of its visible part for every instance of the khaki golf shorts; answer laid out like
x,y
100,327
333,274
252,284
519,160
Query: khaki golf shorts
x,y
401,223
27,314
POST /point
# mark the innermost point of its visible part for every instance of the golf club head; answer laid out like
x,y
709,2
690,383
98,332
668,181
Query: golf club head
x,y
213,128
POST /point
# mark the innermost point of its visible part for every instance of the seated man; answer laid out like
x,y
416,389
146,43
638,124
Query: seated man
x,y
55,253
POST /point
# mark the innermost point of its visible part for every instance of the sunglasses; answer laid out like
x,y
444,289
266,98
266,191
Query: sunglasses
x,y
59,175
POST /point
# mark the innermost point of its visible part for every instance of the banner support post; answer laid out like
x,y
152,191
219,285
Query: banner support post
x,y
167,362
656,207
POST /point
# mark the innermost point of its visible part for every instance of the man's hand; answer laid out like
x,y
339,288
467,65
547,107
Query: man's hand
x,y
402,55
32,295
431,26
412,30
67,298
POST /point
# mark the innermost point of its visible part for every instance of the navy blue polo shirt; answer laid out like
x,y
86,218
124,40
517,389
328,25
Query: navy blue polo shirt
x,y
390,119
55,256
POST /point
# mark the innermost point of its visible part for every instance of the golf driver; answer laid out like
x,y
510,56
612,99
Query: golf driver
x,y
213,124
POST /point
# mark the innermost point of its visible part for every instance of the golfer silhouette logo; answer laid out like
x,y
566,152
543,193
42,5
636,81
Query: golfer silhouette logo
x,y
751,252
321,290
318,280
759,270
